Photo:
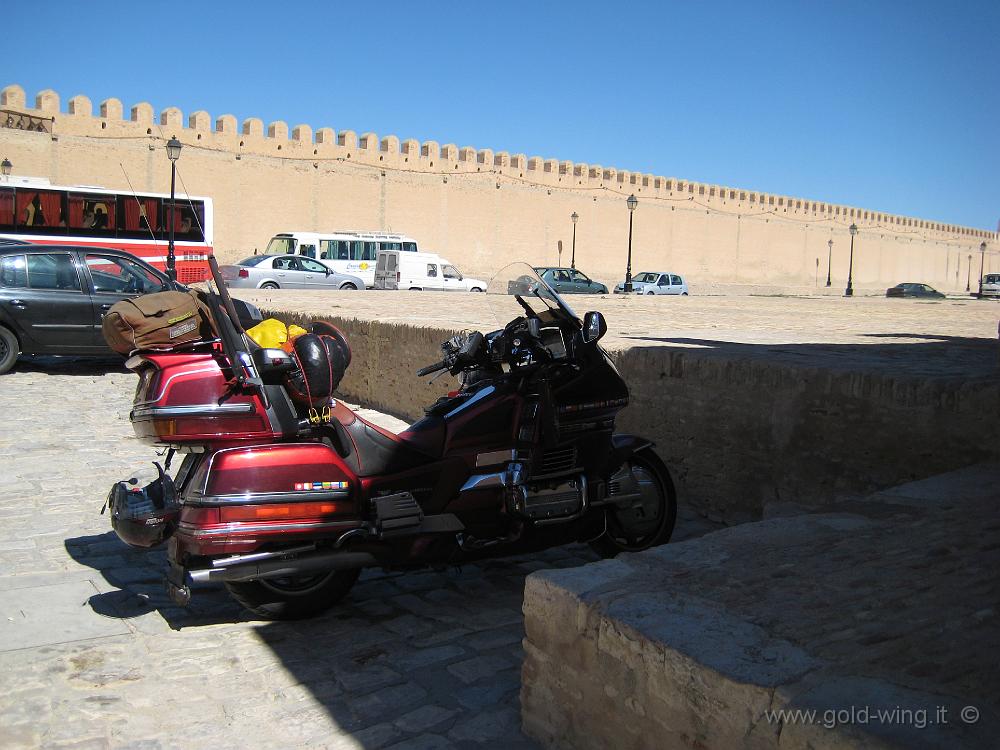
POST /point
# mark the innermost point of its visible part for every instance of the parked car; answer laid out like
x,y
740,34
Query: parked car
x,y
404,269
991,285
53,297
910,289
656,282
286,272
570,281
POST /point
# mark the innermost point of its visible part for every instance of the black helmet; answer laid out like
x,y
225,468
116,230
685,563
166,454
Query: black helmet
x,y
144,517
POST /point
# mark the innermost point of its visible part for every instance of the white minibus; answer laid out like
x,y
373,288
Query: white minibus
x,y
342,251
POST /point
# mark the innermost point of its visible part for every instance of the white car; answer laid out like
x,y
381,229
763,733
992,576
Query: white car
x,y
991,285
656,282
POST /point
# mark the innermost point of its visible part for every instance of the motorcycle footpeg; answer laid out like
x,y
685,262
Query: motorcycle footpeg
x,y
179,595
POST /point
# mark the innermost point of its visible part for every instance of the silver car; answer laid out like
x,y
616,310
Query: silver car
x,y
286,272
656,282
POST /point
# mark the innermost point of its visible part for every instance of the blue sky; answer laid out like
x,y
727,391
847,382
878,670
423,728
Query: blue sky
x,y
891,105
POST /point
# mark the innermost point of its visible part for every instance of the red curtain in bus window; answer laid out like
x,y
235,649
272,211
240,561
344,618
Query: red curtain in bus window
x,y
52,208
76,211
6,208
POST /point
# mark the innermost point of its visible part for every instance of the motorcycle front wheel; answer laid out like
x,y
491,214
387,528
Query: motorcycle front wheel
x,y
293,598
647,522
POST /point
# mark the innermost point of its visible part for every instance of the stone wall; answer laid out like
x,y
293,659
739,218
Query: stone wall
x,y
478,207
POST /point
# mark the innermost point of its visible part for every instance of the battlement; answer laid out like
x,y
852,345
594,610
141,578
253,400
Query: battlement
x,y
325,144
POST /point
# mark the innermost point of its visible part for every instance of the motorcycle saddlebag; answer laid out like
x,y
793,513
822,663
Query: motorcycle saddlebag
x,y
157,321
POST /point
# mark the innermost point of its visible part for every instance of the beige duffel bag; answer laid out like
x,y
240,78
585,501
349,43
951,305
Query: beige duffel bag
x,y
157,321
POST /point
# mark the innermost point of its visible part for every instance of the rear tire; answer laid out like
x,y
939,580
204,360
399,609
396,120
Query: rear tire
x,y
652,522
650,294
414,288
9,349
475,289
269,285
293,598
348,287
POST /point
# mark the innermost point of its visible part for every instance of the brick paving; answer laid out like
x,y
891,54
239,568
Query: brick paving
x,y
95,655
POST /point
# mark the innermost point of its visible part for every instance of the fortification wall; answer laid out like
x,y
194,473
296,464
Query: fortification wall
x,y
478,207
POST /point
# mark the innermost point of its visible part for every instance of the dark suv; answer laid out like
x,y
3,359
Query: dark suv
x,y
53,297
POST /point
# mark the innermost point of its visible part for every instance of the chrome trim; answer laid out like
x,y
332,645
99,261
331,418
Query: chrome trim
x,y
194,410
263,498
231,528
166,383
495,457
483,482
348,535
488,390
255,556
584,507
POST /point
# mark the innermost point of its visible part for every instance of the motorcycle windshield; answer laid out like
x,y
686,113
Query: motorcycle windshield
x,y
518,285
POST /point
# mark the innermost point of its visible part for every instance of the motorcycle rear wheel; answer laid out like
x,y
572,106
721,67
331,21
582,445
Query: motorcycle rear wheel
x,y
293,598
648,523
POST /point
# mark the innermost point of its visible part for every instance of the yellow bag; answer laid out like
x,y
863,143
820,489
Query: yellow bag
x,y
269,334
294,330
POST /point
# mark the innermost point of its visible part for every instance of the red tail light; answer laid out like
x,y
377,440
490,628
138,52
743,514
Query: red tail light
x,y
282,511
244,273
397,277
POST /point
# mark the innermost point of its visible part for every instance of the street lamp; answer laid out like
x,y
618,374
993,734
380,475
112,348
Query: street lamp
x,y
968,276
5,168
982,258
173,153
829,259
849,292
574,217
631,202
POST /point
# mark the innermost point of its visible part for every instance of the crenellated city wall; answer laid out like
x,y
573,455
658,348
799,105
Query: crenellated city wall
x,y
478,207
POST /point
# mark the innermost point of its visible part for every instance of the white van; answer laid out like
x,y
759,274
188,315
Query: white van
x,y
347,252
403,270
991,285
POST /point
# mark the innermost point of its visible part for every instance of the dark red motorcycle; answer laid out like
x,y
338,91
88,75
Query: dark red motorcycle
x,y
284,494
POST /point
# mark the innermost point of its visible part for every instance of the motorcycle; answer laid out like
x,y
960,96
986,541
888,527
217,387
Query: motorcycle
x,y
285,495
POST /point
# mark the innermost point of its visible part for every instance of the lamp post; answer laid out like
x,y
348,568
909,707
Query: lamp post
x,y
5,168
968,276
173,153
631,202
829,259
574,217
849,292
982,259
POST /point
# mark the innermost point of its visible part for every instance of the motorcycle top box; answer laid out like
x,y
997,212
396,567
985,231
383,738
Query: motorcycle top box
x,y
181,401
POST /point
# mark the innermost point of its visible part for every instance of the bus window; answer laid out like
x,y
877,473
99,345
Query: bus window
x,y
6,209
357,250
410,247
371,251
343,250
280,246
307,250
39,208
138,215
91,213
388,246
327,249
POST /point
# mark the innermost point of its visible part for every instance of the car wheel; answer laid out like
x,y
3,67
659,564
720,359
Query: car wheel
x,y
684,294
9,349
269,285
475,289
348,286
414,288
650,294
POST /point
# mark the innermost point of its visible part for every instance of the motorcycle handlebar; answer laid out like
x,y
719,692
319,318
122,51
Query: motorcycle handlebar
x,y
431,368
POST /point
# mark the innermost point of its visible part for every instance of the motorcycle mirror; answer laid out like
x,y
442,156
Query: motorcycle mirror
x,y
594,327
534,328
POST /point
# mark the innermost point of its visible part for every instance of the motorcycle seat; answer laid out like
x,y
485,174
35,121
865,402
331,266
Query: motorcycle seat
x,y
370,450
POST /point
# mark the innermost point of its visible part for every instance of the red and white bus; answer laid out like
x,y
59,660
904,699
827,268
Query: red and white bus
x,y
34,210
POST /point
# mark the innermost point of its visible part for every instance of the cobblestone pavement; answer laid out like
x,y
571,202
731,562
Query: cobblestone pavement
x,y
95,655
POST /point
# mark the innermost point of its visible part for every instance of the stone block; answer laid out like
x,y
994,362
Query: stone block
x,y
112,109
142,113
12,96
226,124
253,126
47,101
278,130
80,106
172,117
200,121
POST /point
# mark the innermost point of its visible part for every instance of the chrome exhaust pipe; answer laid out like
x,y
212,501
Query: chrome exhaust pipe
x,y
249,571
